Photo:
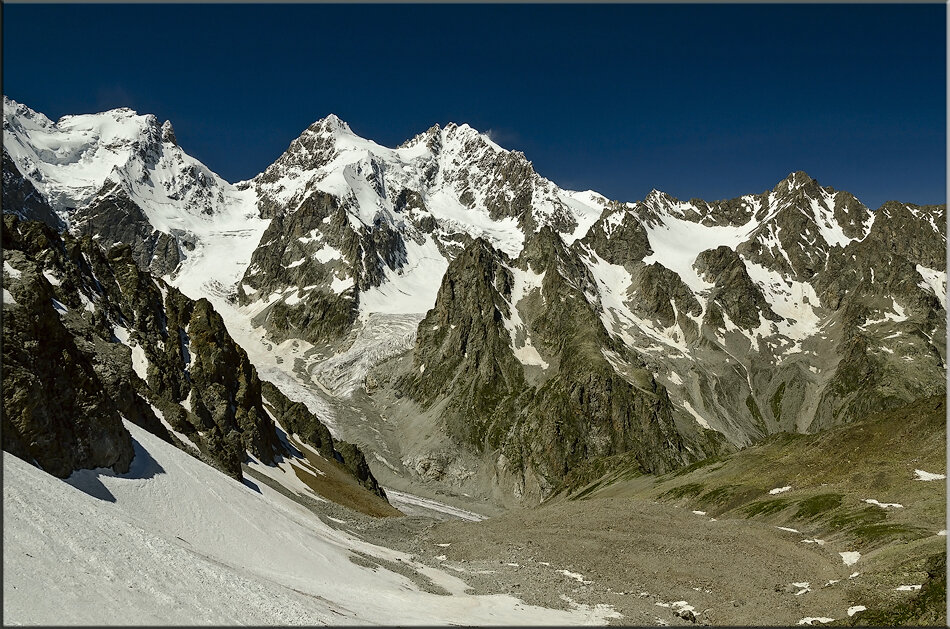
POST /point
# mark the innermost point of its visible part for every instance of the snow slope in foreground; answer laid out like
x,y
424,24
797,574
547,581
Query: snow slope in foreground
x,y
176,542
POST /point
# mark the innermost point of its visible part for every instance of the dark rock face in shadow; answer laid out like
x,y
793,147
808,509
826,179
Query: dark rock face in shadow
x,y
143,466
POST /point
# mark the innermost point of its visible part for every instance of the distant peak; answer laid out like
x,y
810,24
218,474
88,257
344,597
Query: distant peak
x,y
466,133
331,123
795,180
463,129
658,196
13,108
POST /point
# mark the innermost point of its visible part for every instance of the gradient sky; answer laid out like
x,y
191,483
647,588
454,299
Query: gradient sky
x,y
708,101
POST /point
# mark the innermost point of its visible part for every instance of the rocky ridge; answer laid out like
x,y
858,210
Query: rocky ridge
x,y
86,331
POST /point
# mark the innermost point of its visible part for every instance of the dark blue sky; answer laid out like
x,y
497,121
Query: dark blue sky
x,y
707,101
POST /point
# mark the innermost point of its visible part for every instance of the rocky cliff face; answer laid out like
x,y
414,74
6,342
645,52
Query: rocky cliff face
x,y
89,338
22,198
697,321
524,372
54,413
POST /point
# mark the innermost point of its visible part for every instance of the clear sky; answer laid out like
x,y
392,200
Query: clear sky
x,y
708,101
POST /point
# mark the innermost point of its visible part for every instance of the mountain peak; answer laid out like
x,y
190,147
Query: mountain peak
x,y
795,180
466,133
660,198
13,109
331,124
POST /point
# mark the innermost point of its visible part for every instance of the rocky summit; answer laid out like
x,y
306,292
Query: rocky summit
x,y
441,319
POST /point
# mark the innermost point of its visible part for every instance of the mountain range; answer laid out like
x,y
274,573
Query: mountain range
x,y
476,331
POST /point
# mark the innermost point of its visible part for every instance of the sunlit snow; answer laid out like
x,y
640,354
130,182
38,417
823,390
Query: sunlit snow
x,y
176,542
850,558
922,475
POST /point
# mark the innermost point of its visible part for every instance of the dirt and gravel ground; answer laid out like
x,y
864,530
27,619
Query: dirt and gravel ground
x,y
644,545
653,563
643,558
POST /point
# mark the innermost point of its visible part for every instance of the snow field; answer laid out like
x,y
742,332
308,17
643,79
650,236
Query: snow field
x,y
178,542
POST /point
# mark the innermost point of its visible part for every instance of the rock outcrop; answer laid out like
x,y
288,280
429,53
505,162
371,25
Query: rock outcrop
x,y
90,338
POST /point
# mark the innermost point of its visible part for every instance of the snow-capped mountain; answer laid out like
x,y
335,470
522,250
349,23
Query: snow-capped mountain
x,y
360,228
121,177
533,328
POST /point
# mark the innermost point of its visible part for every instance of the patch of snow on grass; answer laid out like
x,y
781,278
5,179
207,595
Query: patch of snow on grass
x,y
810,620
8,298
908,588
598,613
575,576
779,490
850,558
855,609
682,606
883,505
785,528
922,475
